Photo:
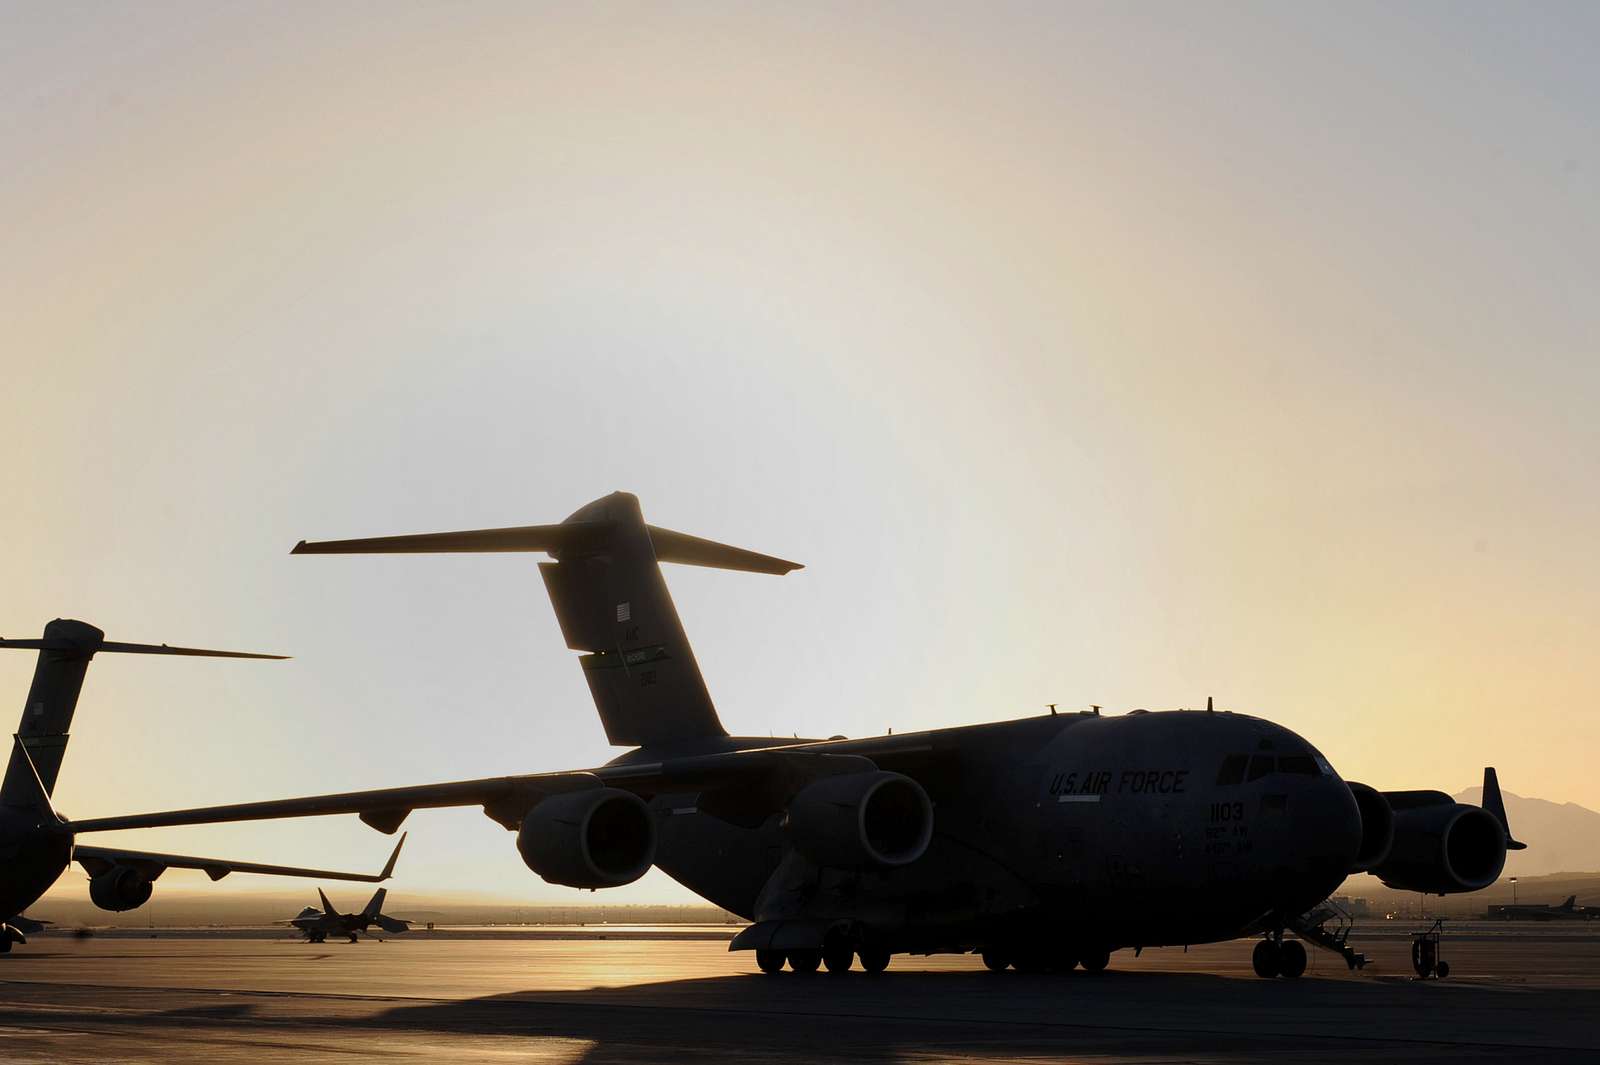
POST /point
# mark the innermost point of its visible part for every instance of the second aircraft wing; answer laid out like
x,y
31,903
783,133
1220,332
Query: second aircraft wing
x,y
97,860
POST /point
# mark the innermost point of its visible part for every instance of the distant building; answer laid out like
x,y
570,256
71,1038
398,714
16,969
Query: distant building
x,y
1354,906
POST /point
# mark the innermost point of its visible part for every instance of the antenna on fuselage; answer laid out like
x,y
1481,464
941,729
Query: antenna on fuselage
x,y
1052,707
1208,705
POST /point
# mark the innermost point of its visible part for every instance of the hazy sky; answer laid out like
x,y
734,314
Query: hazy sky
x,y
1124,354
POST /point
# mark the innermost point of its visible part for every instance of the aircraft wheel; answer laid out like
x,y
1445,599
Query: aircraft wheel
x,y
5,941
805,961
353,939
1264,959
874,960
1064,962
838,959
769,961
996,962
1443,969
1291,959
1095,960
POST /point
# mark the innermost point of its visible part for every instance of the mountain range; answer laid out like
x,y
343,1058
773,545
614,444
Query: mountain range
x,y
1562,837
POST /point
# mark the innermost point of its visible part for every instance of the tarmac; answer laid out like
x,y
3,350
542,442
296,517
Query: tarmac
x,y
1528,993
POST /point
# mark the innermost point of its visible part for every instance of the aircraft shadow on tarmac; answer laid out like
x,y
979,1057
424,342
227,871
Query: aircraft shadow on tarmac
x,y
921,1016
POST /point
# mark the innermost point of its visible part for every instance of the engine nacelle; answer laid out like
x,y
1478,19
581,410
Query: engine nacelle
x,y
1377,827
861,820
1442,849
120,888
602,837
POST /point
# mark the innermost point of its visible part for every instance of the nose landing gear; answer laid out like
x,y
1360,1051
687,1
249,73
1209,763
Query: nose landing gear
x,y
1276,956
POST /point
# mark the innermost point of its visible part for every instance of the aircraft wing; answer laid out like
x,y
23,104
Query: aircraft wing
x,y
96,860
737,785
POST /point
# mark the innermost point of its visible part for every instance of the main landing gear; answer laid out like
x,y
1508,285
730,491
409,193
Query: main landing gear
x,y
1276,956
835,957
1060,959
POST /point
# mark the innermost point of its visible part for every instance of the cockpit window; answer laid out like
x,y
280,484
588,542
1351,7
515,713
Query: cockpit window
x,y
1232,771
1301,764
1260,766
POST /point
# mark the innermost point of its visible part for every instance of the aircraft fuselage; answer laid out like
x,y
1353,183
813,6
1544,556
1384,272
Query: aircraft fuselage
x,y
1135,830
33,857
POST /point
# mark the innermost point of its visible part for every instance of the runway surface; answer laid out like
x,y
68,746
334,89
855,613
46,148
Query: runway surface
x,y
1529,995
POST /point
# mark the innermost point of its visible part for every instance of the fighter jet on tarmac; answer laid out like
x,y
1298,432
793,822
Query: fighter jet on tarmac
x,y
1043,843
35,845
319,924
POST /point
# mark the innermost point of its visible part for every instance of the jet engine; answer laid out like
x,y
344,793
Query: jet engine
x,y
861,820
602,837
1377,827
1444,848
120,888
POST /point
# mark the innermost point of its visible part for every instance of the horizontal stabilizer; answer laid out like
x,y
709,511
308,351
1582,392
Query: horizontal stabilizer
x,y
573,537
129,648
693,551
469,541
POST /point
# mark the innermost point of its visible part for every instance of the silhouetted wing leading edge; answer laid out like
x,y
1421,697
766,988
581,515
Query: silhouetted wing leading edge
x,y
764,779
97,860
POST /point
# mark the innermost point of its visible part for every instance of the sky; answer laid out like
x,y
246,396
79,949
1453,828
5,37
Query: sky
x,y
1118,354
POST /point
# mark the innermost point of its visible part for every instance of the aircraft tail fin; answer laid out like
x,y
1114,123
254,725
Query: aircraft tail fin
x,y
1572,900
27,790
375,904
1497,806
64,654
327,907
612,604
65,651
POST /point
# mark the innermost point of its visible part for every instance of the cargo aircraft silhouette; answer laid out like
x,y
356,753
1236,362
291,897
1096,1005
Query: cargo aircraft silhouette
x,y
1045,842
35,845
1567,911
318,925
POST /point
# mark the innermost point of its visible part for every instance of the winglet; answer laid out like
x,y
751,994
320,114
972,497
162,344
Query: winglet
x,y
388,869
1496,805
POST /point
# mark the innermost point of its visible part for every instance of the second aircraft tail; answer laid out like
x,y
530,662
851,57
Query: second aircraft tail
x,y
65,651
